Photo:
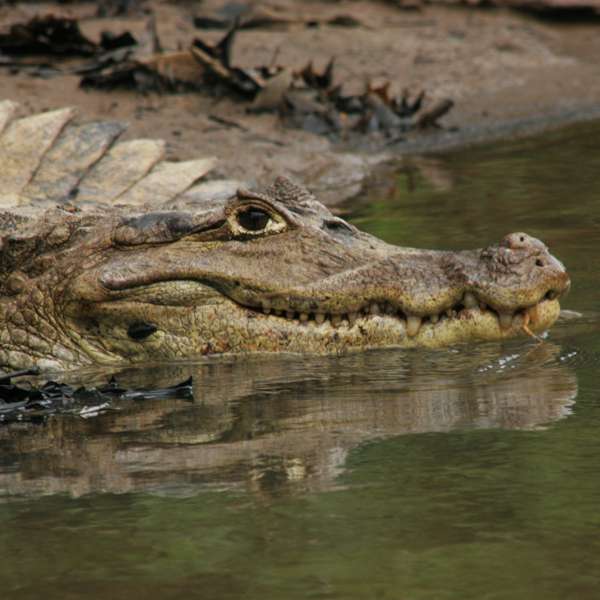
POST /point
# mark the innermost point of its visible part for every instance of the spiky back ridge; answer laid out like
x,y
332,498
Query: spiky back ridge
x,y
55,171
47,160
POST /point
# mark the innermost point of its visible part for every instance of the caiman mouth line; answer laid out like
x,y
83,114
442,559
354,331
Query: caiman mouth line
x,y
461,310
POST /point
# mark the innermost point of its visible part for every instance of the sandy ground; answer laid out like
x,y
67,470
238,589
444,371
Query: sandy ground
x,y
506,72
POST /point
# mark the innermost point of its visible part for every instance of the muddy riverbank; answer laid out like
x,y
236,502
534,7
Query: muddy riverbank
x,y
507,74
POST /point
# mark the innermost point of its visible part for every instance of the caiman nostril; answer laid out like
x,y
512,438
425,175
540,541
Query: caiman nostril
x,y
539,263
551,295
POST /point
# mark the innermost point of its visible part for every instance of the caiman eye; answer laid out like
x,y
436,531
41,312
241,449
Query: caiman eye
x,y
253,219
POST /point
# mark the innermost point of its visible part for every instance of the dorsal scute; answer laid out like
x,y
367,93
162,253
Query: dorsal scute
x,y
49,158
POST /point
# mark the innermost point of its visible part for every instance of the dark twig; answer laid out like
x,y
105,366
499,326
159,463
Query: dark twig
x,y
429,118
22,373
227,122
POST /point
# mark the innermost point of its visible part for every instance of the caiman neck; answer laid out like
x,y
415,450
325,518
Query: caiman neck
x,y
32,336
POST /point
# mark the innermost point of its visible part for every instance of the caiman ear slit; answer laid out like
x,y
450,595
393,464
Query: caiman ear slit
x,y
139,330
336,224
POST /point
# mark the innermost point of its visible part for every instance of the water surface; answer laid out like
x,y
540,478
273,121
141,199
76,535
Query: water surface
x,y
460,474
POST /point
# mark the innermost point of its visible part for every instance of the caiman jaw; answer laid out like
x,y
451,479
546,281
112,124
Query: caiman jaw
x,y
489,294
382,323
273,323
536,317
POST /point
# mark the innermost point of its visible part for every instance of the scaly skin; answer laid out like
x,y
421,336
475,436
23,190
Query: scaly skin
x,y
261,272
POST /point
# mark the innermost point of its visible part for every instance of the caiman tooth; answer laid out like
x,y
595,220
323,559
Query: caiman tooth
x,y
266,307
505,320
533,312
336,320
319,318
434,318
413,324
374,308
303,317
352,318
470,301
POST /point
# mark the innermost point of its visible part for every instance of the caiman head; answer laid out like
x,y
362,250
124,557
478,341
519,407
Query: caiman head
x,y
261,272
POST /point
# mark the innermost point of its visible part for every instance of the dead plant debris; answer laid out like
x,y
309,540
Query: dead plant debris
x,y
33,403
306,98
47,35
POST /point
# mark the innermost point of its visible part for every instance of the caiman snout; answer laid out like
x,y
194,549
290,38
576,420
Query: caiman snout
x,y
536,252
520,271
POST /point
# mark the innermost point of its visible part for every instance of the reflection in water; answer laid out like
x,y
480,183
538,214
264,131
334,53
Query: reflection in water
x,y
275,423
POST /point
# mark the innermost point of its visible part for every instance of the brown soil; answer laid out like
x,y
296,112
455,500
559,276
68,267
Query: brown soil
x,y
507,73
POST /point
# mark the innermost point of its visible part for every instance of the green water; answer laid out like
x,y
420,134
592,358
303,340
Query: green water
x,y
471,473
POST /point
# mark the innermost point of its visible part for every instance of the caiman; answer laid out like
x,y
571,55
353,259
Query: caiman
x,y
111,255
